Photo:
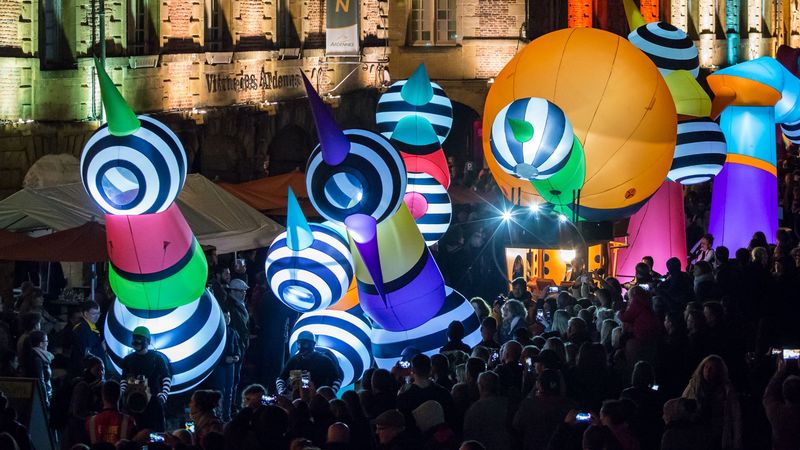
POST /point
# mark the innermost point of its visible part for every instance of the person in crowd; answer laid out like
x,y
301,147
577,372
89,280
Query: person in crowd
x,y
109,424
488,419
677,288
704,287
644,393
7,441
392,433
201,411
10,425
145,382
645,325
481,308
472,445
440,371
673,362
455,334
38,360
540,413
513,317
321,369
422,389
519,291
590,381
614,418
759,239
718,402
560,325
577,331
650,263
338,437
782,405
85,399
704,252
488,333
436,434
509,370
466,392
30,322
237,293
222,377
87,340
682,430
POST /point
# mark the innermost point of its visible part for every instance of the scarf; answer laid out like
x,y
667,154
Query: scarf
x,y
44,355
92,327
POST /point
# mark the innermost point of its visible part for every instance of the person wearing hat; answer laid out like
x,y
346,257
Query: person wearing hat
x,y
544,409
322,370
390,428
237,289
153,367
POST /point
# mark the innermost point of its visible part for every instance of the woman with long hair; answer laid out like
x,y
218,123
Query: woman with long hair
x,y
718,402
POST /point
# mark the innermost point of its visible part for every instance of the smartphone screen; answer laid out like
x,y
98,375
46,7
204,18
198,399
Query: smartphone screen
x,y
405,364
654,387
155,437
791,353
552,289
190,426
305,382
583,417
646,287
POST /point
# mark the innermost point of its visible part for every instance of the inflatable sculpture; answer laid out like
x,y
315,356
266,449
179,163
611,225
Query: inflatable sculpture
x,y
621,113
134,167
752,97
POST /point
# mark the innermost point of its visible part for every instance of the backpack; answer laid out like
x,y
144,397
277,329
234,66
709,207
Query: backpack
x,y
62,397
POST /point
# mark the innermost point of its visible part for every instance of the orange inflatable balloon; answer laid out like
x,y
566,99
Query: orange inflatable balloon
x,y
620,108
349,300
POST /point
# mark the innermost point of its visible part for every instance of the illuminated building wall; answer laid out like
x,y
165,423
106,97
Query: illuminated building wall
x,y
579,14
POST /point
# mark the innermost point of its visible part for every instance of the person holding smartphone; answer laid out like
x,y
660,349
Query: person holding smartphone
x,y
322,370
782,404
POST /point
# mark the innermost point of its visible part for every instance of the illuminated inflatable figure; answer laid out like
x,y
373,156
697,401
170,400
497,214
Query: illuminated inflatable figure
x,y
531,138
791,131
428,337
621,112
433,164
429,203
156,262
192,337
132,165
344,334
134,168
700,151
415,114
308,266
752,96
667,46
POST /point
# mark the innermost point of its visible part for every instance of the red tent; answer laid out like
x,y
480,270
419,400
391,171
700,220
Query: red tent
x,y
8,238
86,243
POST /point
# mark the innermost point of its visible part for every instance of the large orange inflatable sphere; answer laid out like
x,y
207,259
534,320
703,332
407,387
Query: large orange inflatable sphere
x,y
620,108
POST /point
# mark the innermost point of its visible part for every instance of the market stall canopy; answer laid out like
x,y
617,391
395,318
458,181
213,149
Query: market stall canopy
x,y
9,238
216,217
85,243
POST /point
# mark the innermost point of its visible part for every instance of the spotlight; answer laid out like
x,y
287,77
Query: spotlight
x,y
567,255
534,207
562,218
506,216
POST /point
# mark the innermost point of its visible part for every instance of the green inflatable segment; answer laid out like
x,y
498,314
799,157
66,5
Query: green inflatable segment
x,y
173,290
122,121
558,189
522,130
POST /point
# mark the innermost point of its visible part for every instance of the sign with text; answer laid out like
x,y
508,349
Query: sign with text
x,y
341,22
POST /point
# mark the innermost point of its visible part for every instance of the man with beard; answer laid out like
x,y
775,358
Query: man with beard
x,y
146,381
321,369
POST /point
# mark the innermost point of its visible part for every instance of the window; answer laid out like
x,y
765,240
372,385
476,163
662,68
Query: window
x,y
289,23
214,25
433,22
142,38
53,48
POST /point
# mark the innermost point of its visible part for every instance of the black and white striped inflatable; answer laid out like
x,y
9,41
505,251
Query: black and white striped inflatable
x,y
429,203
372,177
791,131
313,278
700,151
141,173
667,46
393,110
343,333
387,346
192,337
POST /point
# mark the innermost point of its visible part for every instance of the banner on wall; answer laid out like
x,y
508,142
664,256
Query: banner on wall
x,y
341,35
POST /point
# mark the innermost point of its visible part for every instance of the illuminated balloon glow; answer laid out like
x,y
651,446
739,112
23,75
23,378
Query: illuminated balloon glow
x,y
343,333
371,180
314,277
531,139
139,173
192,337
429,337
621,112
700,151
429,204
667,46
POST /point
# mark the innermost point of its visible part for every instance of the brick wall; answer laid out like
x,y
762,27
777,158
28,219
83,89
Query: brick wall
x,y
314,24
252,15
496,19
490,59
10,79
180,16
177,92
10,11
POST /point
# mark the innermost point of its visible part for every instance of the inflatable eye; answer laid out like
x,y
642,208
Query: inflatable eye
x,y
192,337
667,46
700,151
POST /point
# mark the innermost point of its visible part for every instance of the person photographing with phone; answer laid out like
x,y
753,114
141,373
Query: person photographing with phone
x,y
321,370
145,382
782,402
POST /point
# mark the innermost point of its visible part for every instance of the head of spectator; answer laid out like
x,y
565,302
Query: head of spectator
x,y
702,269
743,258
642,273
428,415
213,440
539,341
713,313
513,309
674,266
31,321
572,353
237,289
643,376
759,239
523,336
601,315
510,352
488,384
721,255
546,359
613,413
488,329
353,403
389,425
587,315
222,274
679,410
272,422
338,433
110,394
482,353
528,352
592,358
480,306
548,383
519,288
561,323
707,242
674,324
440,367
795,254
421,368
475,366
791,390
606,330
183,435
38,339
604,298
577,330
710,376
90,312
557,345
455,331
203,402
471,445
366,380
93,369
564,300
761,257
252,395
695,321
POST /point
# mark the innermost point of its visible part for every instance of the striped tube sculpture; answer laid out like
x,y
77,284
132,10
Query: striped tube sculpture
x,y
134,167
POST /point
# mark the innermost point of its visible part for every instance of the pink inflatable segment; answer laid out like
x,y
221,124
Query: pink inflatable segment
x,y
657,230
148,243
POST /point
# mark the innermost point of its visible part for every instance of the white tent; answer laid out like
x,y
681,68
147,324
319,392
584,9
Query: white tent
x,y
216,217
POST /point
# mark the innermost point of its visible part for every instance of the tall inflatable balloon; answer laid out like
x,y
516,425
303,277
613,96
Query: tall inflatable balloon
x,y
620,112
134,167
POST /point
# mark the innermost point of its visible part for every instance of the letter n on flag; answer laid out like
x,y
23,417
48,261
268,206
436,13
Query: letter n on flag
x,y
341,21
